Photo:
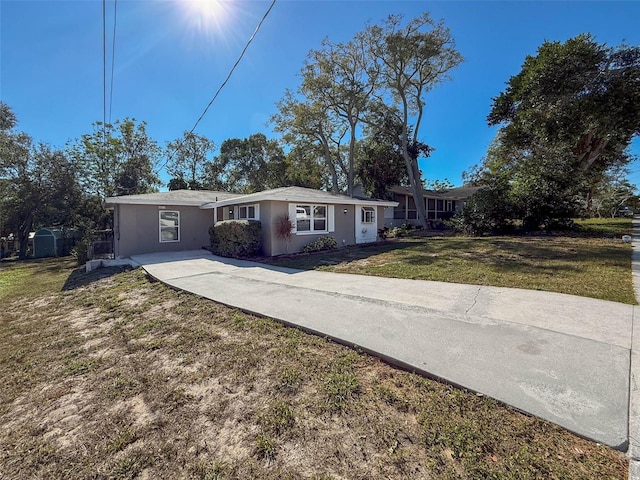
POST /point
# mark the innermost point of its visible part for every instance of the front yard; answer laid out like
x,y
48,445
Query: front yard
x,y
109,375
592,263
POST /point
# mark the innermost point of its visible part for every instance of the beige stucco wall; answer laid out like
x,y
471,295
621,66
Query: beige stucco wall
x,y
137,229
344,224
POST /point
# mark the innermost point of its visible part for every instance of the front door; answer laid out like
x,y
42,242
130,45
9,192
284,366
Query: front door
x,y
366,224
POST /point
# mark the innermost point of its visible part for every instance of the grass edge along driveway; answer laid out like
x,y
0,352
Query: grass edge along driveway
x,y
594,262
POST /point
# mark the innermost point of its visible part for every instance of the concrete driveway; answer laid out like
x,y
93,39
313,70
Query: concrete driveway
x,y
560,357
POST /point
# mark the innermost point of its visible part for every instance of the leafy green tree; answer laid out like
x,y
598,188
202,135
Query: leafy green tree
x,y
380,165
340,79
578,95
305,168
439,185
410,60
247,165
118,159
382,74
566,119
38,185
309,123
190,156
611,192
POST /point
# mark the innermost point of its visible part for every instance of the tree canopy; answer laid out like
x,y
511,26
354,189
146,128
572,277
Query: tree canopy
x,y
566,120
38,185
380,77
189,159
117,159
247,165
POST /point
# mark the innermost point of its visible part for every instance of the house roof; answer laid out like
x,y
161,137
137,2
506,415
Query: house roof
x,y
299,194
213,199
174,197
457,193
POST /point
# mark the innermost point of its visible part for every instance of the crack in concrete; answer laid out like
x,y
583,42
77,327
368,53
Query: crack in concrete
x,y
473,303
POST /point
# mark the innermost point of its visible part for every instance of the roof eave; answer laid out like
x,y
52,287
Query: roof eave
x,y
299,199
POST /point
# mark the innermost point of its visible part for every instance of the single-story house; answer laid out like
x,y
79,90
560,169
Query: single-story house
x,y
438,204
180,219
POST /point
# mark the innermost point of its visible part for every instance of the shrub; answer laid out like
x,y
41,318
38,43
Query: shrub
x,y
488,211
284,229
236,238
81,251
396,232
322,243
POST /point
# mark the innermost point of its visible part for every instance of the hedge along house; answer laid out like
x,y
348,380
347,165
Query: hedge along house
x,y
180,219
313,214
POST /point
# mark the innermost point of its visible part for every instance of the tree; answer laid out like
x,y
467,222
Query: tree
x,y
380,164
382,74
305,168
439,185
189,160
310,124
611,192
116,159
567,118
37,184
410,61
247,165
339,78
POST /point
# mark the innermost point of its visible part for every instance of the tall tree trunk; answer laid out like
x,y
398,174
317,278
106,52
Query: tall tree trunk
x,y
23,236
332,167
416,187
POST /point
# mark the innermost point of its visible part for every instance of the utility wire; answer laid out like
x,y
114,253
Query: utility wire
x,y
104,73
113,55
180,142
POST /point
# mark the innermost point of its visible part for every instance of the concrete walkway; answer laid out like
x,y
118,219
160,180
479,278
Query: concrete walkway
x,y
560,357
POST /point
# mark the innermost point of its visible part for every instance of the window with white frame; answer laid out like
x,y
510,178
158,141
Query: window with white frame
x,y
169,226
368,215
311,218
248,212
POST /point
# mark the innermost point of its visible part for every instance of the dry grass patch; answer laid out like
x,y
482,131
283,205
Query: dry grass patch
x,y
117,377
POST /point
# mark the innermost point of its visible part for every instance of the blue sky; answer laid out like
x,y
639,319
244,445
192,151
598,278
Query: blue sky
x,y
170,59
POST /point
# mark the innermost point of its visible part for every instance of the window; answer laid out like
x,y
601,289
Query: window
x,y
311,218
248,212
368,215
169,226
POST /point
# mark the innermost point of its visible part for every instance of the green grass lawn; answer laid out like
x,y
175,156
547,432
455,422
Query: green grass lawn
x,y
108,375
594,262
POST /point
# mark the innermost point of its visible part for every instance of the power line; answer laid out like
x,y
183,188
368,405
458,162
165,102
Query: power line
x,y
180,143
104,72
113,55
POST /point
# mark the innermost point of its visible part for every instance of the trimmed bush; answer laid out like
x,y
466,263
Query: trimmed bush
x,y
236,238
322,243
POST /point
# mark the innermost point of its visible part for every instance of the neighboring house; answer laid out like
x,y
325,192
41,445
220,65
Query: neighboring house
x,y
180,219
438,204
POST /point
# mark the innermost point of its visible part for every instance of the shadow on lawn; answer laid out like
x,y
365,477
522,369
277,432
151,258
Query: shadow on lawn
x,y
79,278
507,254
311,261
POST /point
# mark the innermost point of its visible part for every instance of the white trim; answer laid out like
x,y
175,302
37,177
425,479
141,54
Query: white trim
x,y
256,211
292,218
160,226
370,212
332,218
297,215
